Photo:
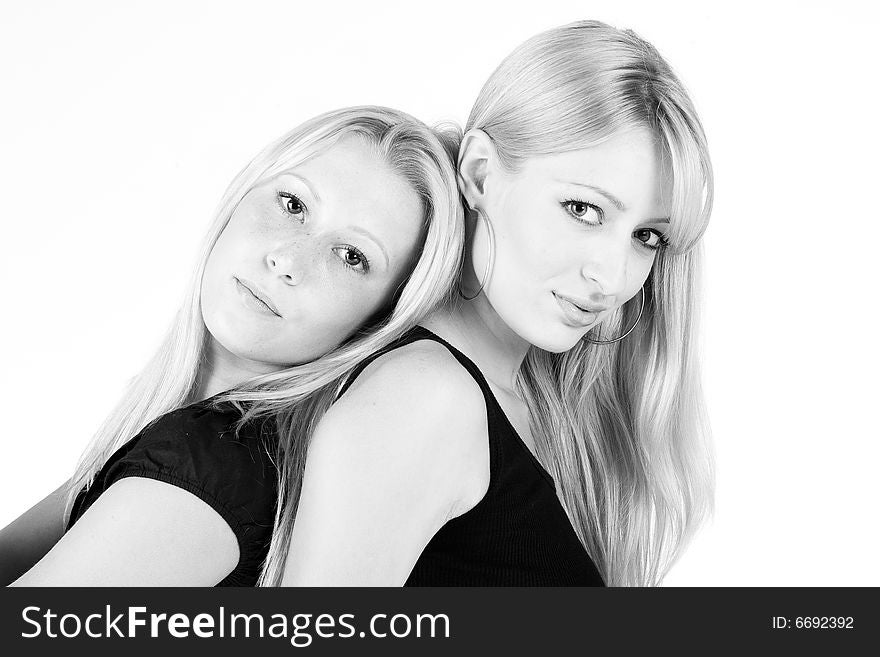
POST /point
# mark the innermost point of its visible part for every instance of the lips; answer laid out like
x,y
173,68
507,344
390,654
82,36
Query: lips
x,y
584,304
576,315
259,297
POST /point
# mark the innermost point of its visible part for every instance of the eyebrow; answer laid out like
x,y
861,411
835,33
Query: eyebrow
x,y
611,197
614,200
370,236
308,185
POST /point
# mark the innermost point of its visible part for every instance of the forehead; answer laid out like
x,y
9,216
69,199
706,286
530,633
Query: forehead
x,y
630,165
356,187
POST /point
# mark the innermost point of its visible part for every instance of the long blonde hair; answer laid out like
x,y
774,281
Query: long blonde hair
x,y
622,428
297,397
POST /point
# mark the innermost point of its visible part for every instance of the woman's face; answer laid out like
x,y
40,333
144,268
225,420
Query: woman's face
x,y
308,256
575,236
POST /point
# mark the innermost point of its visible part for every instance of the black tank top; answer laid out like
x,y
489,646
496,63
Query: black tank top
x,y
518,534
198,449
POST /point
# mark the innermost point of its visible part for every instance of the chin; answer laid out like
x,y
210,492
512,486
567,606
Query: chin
x,y
242,343
560,347
265,355
556,340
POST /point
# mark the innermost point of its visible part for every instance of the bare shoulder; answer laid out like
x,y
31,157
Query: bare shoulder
x,y
399,454
424,371
416,411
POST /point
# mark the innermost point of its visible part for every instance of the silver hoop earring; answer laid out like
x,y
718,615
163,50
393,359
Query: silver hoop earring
x,y
490,261
641,308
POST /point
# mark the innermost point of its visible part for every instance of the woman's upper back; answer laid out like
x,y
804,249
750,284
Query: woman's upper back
x,y
503,523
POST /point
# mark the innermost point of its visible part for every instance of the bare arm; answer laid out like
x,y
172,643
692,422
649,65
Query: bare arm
x,y
402,452
28,538
141,532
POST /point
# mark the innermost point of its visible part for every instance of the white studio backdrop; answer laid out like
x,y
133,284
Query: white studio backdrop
x,y
122,123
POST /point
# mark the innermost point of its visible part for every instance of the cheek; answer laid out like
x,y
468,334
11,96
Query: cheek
x,y
528,246
334,301
639,270
229,250
335,306
354,302
215,272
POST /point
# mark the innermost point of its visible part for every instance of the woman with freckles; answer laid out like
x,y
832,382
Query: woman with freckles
x,y
329,245
545,427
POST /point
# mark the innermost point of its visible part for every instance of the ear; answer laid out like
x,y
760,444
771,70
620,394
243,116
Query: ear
x,y
476,157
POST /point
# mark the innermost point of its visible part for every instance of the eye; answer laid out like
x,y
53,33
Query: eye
x,y
651,239
291,204
584,212
353,258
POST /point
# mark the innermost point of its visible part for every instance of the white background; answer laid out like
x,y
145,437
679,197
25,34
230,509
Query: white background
x,y
121,124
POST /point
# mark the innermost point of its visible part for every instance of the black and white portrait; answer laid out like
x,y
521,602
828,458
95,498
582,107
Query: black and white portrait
x,y
447,294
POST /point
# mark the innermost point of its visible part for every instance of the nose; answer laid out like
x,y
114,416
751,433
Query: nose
x,y
606,265
284,265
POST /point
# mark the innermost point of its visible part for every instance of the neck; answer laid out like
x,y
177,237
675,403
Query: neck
x,y
474,328
222,370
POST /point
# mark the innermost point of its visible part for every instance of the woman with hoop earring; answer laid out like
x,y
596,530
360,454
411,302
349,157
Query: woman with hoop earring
x,y
546,427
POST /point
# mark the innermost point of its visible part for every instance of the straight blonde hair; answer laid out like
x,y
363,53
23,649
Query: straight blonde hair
x,y
622,427
297,397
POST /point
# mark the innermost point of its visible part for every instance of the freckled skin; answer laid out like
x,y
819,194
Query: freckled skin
x,y
299,259
541,248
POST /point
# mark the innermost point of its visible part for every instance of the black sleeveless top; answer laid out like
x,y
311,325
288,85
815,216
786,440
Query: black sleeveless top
x,y
518,534
197,449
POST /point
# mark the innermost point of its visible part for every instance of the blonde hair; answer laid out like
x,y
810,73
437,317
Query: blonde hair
x,y
297,397
622,428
